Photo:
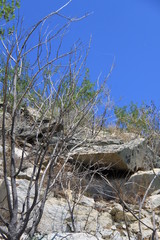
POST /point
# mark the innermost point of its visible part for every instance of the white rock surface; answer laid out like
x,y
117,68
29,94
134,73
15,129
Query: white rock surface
x,y
140,181
57,218
146,232
153,202
68,236
22,186
121,156
86,201
18,153
54,216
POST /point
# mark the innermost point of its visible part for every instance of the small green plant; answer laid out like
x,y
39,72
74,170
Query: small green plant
x,y
140,119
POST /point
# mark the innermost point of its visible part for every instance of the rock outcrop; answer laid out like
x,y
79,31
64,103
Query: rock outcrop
x,y
92,204
143,181
115,154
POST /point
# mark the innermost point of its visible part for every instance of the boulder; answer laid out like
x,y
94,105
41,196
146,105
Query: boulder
x,y
119,214
66,236
90,220
128,156
54,216
117,236
153,202
140,181
146,232
87,201
57,218
31,113
107,234
19,152
40,130
28,174
22,186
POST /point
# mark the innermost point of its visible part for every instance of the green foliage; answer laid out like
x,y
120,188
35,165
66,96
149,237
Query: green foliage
x,y
80,93
22,82
140,119
7,9
71,93
86,91
7,13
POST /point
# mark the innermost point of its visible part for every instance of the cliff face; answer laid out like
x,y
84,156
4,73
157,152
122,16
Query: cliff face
x,y
101,187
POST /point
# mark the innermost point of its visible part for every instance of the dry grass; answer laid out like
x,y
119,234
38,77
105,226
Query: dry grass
x,y
121,133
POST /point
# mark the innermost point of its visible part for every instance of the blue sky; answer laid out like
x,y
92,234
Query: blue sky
x,y
126,32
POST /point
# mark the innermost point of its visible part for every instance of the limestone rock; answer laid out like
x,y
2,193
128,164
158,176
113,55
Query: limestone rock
x,y
106,234
32,113
54,216
105,220
153,202
125,156
146,232
117,236
19,152
89,220
57,218
68,236
31,132
86,201
22,186
119,214
27,173
140,181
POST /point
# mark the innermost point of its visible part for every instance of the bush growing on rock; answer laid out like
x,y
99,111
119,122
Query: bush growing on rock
x,y
143,119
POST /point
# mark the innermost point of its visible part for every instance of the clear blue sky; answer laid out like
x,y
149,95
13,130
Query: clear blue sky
x,y
127,31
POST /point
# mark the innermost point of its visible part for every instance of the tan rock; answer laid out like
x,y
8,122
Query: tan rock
x,y
105,220
27,174
90,220
140,181
119,214
153,202
19,152
146,232
54,216
22,186
122,156
87,201
58,218
106,234
72,236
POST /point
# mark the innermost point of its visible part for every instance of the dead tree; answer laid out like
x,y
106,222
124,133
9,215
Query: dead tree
x,y
53,101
